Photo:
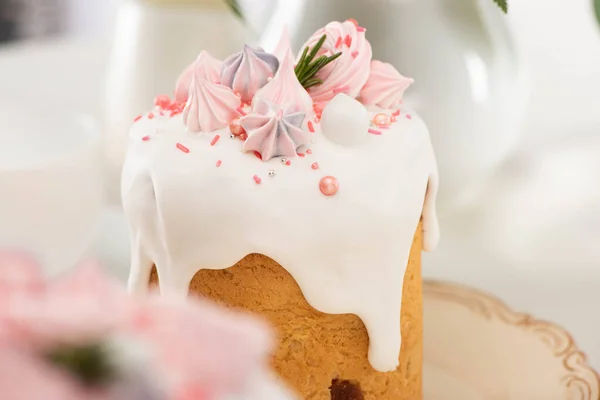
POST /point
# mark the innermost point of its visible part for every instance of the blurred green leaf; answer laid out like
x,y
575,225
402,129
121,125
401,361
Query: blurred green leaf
x,y
235,7
597,9
90,363
503,4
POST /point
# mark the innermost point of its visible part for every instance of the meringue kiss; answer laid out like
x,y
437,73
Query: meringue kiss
x,y
210,106
385,86
248,71
206,66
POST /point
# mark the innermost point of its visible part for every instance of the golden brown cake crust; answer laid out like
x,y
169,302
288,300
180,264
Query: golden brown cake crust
x,y
323,356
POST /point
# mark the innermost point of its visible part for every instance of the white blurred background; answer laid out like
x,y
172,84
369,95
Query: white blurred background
x,y
516,97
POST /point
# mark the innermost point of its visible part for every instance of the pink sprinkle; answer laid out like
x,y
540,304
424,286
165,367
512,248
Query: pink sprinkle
x,y
308,151
318,108
354,54
257,179
241,111
361,29
146,138
288,162
311,127
396,113
315,166
161,113
300,154
258,155
215,140
150,115
218,163
408,116
374,132
348,40
162,101
317,119
339,42
183,148
137,118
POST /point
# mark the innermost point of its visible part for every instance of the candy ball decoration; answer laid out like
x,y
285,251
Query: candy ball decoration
x,y
382,120
345,121
329,185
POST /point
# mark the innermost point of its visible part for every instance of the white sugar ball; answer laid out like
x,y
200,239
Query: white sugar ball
x,y
345,121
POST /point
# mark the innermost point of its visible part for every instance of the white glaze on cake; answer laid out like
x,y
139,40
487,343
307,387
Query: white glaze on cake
x,y
347,252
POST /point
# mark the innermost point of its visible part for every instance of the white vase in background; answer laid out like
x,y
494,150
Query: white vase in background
x,y
154,40
469,82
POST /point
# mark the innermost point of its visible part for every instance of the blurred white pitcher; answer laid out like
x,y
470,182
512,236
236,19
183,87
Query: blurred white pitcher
x,y
154,40
470,83
51,188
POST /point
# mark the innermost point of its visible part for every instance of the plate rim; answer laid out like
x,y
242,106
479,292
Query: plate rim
x,y
579,376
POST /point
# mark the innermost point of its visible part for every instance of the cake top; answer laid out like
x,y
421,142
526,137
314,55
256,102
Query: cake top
x,y
312,160
272,100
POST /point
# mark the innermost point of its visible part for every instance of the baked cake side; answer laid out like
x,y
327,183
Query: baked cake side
x,y
322,356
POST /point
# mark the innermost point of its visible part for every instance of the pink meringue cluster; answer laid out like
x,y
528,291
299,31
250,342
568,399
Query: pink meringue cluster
x,y
216,92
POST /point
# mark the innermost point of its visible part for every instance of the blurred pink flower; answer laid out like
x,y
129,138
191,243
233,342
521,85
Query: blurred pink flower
x,y
193,350
23,377
19,272
199,345
79,307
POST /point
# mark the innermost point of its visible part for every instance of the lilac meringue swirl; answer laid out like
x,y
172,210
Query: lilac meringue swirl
x,y
248,71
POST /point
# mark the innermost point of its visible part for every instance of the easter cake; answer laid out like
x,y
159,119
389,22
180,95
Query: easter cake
x,y
299,188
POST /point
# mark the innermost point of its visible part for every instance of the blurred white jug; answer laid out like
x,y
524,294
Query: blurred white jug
x,y
51,184
154,40
470,85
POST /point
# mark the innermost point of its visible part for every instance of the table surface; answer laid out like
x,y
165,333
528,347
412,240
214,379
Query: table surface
x,y
529,236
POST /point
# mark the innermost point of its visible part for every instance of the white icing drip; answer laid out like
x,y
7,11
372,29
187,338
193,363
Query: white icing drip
x,y
347,252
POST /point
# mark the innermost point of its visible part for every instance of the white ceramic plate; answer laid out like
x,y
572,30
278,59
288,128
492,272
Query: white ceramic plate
x,y
477,348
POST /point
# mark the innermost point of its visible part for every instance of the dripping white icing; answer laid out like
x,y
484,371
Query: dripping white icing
x,y
347,252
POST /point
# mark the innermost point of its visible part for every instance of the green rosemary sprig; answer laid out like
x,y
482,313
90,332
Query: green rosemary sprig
x,y
307,67
503,4
235,8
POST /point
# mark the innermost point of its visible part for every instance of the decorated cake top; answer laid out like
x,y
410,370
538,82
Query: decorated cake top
x,y
312,160
272,101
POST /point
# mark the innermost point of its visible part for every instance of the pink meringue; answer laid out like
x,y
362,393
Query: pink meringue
x,y
273,131
210,106
208,67
385,86
284,45
248,71
351,70
285,91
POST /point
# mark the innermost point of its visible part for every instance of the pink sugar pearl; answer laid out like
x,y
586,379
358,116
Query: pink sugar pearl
x,y
329,185
382,120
